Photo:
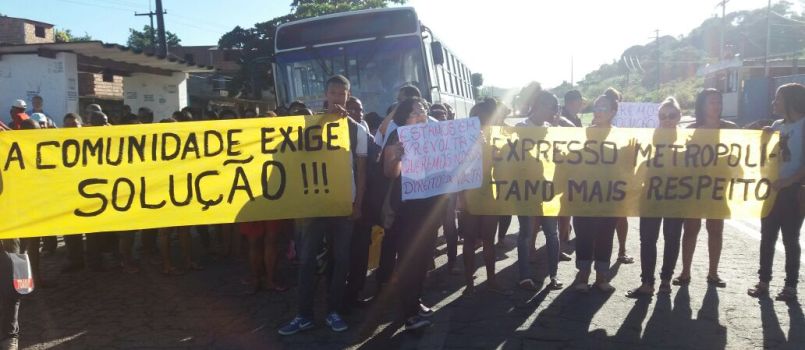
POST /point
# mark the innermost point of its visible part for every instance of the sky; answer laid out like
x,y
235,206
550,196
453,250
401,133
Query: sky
x,y
511,42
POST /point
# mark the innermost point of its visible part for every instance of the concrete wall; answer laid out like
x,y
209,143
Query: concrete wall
x,y
55,79
162,94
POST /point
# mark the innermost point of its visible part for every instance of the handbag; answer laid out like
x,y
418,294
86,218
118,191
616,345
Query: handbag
x,y
22,277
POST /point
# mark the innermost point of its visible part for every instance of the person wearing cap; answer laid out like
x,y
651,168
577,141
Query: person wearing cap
x,y
18,114
90,109
41,119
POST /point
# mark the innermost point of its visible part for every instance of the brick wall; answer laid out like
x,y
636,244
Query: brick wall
x,y
11,31
90,84
18,31
31,38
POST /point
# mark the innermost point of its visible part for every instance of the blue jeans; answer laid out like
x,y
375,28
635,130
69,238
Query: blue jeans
x,y
339,235
594,237
785,217
550,225
649,233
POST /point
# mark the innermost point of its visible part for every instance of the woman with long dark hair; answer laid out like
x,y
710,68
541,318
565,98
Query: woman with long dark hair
x,y
786,215
708,116
594,235
416,222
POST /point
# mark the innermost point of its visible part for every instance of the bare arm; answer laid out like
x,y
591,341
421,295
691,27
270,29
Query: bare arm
x,y
391,161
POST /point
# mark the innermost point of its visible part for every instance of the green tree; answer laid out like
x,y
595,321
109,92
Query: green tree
x,y
66,36
256,44
142,40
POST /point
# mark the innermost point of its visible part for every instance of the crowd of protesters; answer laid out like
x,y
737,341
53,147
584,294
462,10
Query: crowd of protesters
x,y
338,247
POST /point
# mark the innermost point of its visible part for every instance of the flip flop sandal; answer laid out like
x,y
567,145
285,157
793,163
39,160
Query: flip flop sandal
x,y
758,291
788,294
625,259
604,287
716,281
679,281
582,287
638,293
555,285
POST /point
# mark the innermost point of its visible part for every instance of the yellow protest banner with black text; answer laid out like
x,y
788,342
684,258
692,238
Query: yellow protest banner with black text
x,y
115,178
679,173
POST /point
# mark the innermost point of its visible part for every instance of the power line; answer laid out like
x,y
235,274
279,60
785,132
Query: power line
x,y
76,2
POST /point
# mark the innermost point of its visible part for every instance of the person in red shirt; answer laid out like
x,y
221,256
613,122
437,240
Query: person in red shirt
x,y
18,114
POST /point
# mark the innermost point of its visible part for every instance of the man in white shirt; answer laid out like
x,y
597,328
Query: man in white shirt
x,y
338,229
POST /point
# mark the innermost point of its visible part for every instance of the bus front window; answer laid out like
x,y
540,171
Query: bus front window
x,y
376,71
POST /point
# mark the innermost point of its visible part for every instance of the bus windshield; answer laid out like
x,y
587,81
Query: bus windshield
x,y
376,69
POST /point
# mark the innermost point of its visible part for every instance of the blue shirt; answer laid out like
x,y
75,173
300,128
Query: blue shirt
x,y
791,138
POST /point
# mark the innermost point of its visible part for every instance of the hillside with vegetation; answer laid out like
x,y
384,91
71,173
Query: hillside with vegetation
x,y
635,73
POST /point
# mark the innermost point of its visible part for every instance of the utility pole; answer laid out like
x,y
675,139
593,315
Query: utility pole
x,y
657,39
163,42
768,40
571,71
150,15
723,5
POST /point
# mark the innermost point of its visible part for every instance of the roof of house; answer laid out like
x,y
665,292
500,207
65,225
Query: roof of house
x,y
28,20
114,57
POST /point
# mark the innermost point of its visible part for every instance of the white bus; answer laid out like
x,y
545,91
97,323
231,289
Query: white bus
x,y
379,51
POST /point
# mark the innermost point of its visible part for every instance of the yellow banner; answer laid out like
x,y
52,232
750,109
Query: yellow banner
x,y
98,179
683,173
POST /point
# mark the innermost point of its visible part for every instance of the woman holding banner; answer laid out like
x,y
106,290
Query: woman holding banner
x,y
416,222
708,116
481,227
787,212
594,235
542,113
669,116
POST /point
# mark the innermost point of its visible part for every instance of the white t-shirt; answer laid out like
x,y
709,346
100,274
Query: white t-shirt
x,y
361,151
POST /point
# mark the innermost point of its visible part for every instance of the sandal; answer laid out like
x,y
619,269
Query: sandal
x,y
788,294
638,293
681,281
716,281
581,287
665,287
760,289
555,285
604,287
625,259
528,284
